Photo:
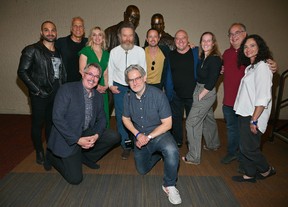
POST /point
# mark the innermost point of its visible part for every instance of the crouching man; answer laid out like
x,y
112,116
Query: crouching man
x,y
147,115
79,133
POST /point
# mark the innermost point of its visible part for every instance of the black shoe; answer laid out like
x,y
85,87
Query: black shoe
x,y
89,163
179,145
40,158
47,164
125,154
241,179
241,170
228,158
259,176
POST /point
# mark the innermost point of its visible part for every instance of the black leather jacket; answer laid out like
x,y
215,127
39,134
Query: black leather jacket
x,y
36,70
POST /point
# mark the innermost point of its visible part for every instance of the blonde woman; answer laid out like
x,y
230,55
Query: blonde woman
x,y
95,52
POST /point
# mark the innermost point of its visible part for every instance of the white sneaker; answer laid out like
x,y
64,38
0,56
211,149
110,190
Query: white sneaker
x,y
173,194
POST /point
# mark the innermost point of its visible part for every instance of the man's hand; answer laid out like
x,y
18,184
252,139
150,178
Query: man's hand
x,y
114,89
88,142
101,89
191,45
272,65
222,70
142,140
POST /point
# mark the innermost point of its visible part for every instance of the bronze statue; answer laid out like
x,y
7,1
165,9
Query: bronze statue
x,y
157,22
132,14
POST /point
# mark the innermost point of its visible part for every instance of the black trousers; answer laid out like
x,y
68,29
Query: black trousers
x,y
41,109
71,167
252,158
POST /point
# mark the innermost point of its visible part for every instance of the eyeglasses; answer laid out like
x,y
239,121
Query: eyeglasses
x,y
90,75
153,63
135,79
236,34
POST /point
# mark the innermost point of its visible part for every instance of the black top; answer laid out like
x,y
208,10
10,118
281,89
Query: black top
x,y
69,52
182,69
209,71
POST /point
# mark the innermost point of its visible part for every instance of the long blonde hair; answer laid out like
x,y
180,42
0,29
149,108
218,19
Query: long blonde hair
x,y
90,40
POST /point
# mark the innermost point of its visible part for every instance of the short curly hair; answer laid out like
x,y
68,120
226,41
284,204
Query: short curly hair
x,y
264,52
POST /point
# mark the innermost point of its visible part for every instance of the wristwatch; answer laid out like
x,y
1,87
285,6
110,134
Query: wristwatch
x,y
150,137
254,122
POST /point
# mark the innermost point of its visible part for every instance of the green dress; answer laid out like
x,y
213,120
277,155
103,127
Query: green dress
x,y
92,58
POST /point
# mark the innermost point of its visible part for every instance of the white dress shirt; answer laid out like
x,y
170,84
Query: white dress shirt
x,y
120,59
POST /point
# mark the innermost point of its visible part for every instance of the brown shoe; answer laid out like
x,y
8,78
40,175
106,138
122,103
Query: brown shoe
x,y
210,149
190,162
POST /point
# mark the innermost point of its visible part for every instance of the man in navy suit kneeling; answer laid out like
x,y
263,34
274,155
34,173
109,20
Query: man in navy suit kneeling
x,y
79,133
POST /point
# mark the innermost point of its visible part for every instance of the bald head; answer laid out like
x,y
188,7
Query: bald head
x,y
181,41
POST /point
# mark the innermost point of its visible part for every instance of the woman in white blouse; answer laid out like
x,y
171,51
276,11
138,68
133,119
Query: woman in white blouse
x,y
253,105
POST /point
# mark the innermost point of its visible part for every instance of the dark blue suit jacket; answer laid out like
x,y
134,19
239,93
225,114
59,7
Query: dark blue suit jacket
x,y
69,118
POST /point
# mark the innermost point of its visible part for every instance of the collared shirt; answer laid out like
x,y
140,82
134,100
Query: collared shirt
x,y
232,76
88,107
255,90
121,59
146,113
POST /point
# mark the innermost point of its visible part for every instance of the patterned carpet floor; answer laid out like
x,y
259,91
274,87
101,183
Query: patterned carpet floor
x,y
41,189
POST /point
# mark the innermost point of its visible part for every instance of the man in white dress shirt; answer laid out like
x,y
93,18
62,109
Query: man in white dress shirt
x,y
122,57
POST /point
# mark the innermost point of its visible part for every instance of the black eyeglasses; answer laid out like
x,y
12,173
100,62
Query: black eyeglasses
x,y
153,63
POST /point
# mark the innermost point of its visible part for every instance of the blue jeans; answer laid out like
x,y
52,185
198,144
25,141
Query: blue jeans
x,y
163,145
177,107
118,102
232,126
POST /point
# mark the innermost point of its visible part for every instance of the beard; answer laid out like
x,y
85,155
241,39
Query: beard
x,y
50,38
127,45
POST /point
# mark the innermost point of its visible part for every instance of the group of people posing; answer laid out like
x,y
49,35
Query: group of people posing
x,y
150,88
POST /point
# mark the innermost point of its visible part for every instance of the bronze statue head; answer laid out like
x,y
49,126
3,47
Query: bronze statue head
x,y
157,22
132,14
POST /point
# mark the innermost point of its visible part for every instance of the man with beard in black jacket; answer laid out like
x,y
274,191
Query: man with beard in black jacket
x,y
42,71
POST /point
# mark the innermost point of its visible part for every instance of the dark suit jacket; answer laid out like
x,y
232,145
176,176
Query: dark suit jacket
x,y
69,118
